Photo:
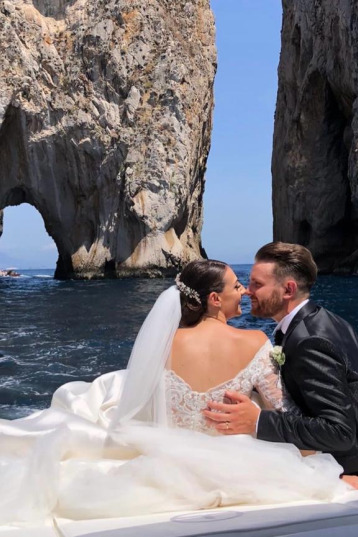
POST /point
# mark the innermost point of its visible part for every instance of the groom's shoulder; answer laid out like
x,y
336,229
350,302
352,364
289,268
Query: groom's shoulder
x,y
319,314
319,321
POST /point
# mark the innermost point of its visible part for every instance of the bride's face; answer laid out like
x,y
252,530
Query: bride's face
x,y
231,295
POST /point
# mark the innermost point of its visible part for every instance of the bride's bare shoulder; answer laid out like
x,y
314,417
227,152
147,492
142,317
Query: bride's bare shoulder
x,y
184,336
254,339
183,332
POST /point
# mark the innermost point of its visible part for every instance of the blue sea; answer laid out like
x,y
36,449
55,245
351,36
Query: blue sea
x,y
52,332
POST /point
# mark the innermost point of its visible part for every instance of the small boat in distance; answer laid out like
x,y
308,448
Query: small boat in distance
x,y
9,272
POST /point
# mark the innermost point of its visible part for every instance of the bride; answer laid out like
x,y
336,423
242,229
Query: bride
x,y
136,442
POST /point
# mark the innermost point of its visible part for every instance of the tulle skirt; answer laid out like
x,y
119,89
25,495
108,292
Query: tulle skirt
x,y
66,461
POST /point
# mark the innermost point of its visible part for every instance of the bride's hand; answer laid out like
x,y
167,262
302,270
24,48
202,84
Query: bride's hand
x,y
238,417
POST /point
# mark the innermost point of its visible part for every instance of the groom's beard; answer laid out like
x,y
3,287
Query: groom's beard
x,y
267,307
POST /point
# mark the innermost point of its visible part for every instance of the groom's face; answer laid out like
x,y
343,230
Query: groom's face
x,y
265,292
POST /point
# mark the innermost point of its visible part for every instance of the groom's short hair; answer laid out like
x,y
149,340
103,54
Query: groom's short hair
x,y
290,260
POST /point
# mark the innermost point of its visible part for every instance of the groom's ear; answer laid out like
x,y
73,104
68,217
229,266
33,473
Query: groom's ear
x,y
290,289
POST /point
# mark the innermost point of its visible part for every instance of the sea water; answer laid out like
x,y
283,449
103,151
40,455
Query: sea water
x,y
52,332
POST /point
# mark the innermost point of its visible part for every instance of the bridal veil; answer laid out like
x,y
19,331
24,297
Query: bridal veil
x,y
143,397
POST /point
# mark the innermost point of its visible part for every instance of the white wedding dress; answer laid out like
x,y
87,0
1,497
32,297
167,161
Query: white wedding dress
x,y
86,457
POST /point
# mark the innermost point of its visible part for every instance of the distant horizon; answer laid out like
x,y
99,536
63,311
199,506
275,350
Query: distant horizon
x,y
54,268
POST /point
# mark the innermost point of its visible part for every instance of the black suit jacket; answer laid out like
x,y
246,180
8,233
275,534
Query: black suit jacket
x,y
321,375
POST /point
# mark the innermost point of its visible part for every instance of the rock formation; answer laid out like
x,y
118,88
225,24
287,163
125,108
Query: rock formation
x,y
315,156
105,116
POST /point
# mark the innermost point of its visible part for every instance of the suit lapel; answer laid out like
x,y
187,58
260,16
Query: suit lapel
x,y
301,314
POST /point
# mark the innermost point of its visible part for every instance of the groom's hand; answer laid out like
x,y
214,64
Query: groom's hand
x,y
238,417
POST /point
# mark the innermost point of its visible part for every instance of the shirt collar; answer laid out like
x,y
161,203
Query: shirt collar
x,y
285,322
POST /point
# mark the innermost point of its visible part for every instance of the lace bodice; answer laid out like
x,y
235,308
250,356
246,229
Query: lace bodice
x,y
185,404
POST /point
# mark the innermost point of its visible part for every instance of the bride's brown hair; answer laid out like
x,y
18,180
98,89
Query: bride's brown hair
x,y
202,276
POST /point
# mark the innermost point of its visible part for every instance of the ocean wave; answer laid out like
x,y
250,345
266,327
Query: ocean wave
x,y
6,359
20,333
12,411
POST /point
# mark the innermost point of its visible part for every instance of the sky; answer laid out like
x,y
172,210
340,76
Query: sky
x,y
237,199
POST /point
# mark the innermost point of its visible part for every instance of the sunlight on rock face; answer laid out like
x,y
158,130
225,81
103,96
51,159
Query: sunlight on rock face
x,y
105,125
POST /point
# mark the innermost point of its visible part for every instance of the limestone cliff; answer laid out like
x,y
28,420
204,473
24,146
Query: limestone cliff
x,y
315,155
105,115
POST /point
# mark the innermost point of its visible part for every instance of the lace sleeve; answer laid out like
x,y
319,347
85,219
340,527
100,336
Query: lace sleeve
x,y
267,381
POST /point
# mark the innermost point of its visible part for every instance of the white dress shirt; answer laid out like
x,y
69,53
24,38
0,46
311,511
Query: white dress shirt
x,y
286,321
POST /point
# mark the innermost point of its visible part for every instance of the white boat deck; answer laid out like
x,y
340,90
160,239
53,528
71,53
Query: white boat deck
x,y
301,519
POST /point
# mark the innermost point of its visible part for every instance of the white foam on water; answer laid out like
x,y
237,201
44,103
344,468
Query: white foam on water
x,y
15,411
20,333
7,358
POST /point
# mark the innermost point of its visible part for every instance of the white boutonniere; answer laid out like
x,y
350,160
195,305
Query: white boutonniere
x,y
277,355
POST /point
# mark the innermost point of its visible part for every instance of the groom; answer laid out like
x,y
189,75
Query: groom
x,y
320,371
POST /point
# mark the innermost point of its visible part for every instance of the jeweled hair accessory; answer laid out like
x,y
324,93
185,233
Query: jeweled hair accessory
x,y
186,290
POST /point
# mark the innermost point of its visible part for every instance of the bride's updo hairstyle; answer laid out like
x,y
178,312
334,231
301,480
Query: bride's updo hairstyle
x,y
195,283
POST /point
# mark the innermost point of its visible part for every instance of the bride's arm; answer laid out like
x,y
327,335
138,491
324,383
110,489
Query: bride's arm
x,y
269,387
267,381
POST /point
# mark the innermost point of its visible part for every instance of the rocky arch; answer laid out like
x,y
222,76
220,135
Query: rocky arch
x,y
105,124
46,174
